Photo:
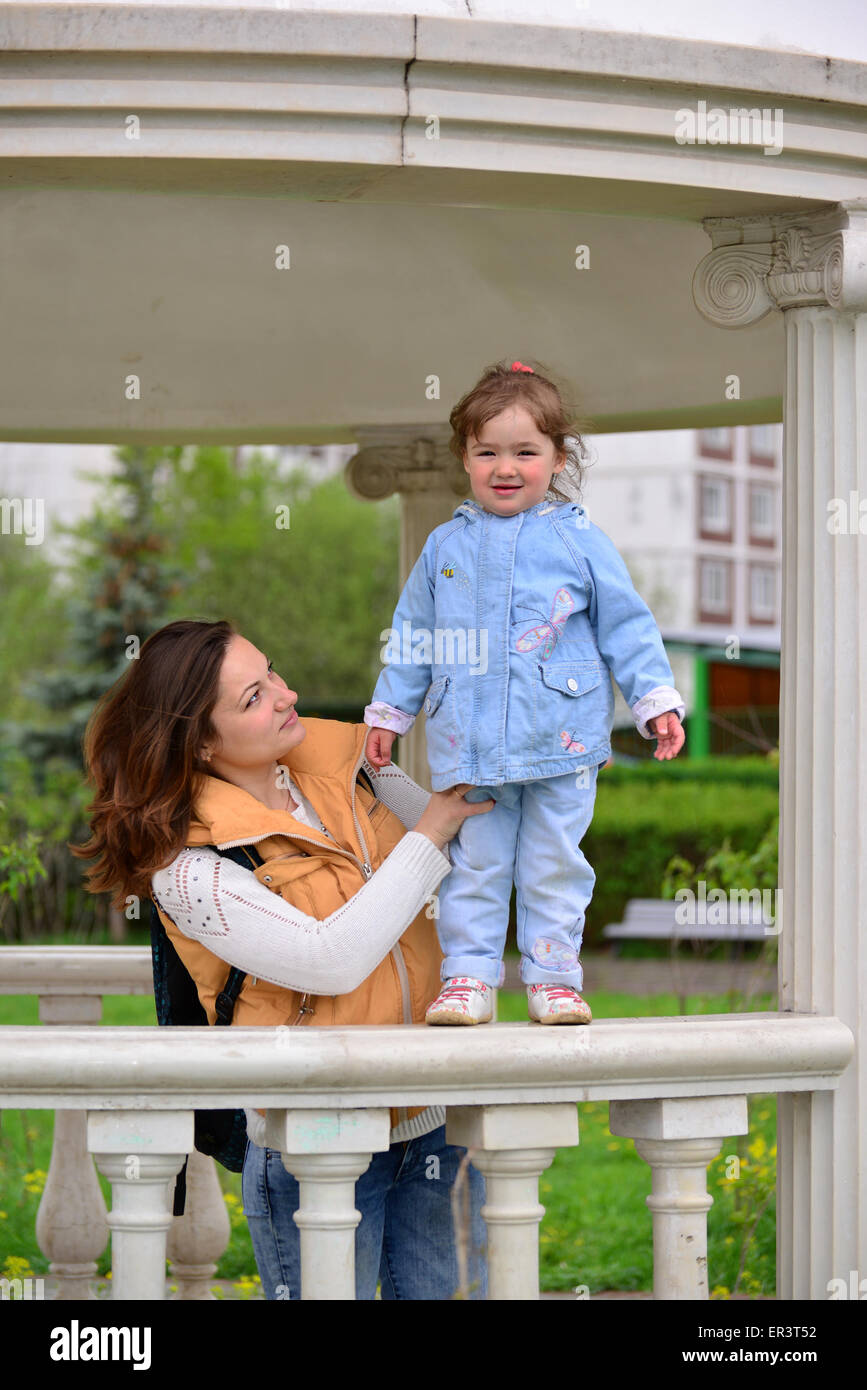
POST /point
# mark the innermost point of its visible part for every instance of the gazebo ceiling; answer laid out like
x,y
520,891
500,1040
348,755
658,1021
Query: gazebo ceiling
x,y
432,179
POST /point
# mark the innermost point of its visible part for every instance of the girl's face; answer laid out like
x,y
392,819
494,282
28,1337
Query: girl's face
x,y
511,463
254,715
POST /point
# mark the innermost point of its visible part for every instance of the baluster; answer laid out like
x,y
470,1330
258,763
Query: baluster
x,y
500,1134
678,1137
326,1151
139,1151
198,1238
71,1225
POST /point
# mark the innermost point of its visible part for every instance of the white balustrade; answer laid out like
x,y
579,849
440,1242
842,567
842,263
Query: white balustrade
x,y
326,1151
71,1225
139,1151
498,1136
678,1138
677,1085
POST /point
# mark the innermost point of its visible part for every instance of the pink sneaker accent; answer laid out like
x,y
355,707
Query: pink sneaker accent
x,y
557,1004
461,1000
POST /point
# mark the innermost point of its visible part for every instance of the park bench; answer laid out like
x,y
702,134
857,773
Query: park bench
x,y
654,919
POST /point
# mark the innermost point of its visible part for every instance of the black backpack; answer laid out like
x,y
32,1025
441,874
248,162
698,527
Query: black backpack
x,y
222,1134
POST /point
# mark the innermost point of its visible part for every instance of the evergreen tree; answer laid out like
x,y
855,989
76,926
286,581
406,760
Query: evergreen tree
x,y
124,584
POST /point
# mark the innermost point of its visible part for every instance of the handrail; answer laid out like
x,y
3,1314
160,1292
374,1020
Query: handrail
x,y
632,1058
76,970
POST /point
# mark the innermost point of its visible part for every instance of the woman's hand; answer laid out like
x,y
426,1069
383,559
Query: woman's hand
x,y
446,812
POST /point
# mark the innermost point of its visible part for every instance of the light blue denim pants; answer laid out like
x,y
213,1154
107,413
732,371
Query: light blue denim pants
x,y
531,837
406,1235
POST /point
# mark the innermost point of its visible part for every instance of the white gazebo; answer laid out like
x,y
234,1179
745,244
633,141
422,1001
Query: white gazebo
x,y
221,222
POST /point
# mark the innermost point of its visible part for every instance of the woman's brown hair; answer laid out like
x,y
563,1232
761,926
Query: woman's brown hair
x,y
141,752
500,387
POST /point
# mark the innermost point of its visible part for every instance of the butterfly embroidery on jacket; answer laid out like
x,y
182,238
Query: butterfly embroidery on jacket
x,y
547,633
570,745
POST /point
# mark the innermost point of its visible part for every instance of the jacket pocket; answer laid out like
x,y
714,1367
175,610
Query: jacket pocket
x,y
571,705
444,726
436,695
571,677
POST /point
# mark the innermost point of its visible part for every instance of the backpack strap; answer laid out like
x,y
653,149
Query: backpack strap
x,y
363,777
224,1004
221,1133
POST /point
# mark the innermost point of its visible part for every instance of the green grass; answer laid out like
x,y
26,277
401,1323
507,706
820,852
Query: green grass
x,y
596,1231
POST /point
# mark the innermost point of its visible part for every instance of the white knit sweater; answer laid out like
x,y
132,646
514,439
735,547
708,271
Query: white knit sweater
x,y
227,909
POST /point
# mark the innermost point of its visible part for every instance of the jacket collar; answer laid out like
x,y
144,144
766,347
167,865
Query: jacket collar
x,y
475,512
226,814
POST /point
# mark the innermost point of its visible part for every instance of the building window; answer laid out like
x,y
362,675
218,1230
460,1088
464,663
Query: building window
x,y
763,594
715,508
762,518
716,443
764,445
714,591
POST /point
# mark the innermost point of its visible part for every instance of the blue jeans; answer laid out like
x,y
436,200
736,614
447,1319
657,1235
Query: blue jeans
x,y
532,837
405,1237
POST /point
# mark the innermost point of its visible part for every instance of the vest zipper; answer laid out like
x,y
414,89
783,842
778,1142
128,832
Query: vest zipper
x,y
365,867
406,1001
303,1010
396,952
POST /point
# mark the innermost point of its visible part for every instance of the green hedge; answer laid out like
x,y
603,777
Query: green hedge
x,y
649,812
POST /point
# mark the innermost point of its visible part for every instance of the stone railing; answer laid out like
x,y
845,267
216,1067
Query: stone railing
x,y
72,1226
677,1086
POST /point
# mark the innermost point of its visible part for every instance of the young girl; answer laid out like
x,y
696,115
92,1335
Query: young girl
x,y
509,624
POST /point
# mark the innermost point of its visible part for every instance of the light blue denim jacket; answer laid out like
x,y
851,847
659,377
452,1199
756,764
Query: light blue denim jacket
x,y
505,634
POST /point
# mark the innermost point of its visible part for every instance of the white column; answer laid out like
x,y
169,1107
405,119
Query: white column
x,y
512,1145
415,461
197,1239
139,1151
326,1151
71,1225
815,269
678,1137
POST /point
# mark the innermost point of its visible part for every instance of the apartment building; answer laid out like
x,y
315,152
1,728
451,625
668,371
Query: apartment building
x,y
697,515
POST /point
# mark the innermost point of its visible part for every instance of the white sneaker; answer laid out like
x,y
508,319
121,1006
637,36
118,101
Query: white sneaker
x,y
557,1004
462,1000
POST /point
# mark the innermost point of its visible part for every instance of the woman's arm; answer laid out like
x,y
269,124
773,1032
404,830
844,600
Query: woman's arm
x,y
226,908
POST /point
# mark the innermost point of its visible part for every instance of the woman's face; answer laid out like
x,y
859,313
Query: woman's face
x,y
254,715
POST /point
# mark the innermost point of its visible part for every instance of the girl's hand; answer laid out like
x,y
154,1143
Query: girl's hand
x,y
446,812
669,734
377,750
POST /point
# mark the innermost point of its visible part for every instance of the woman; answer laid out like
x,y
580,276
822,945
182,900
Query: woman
x,y
200,745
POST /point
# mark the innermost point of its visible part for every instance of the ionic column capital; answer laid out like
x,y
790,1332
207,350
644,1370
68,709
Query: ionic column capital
x,y
790,261
404,458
